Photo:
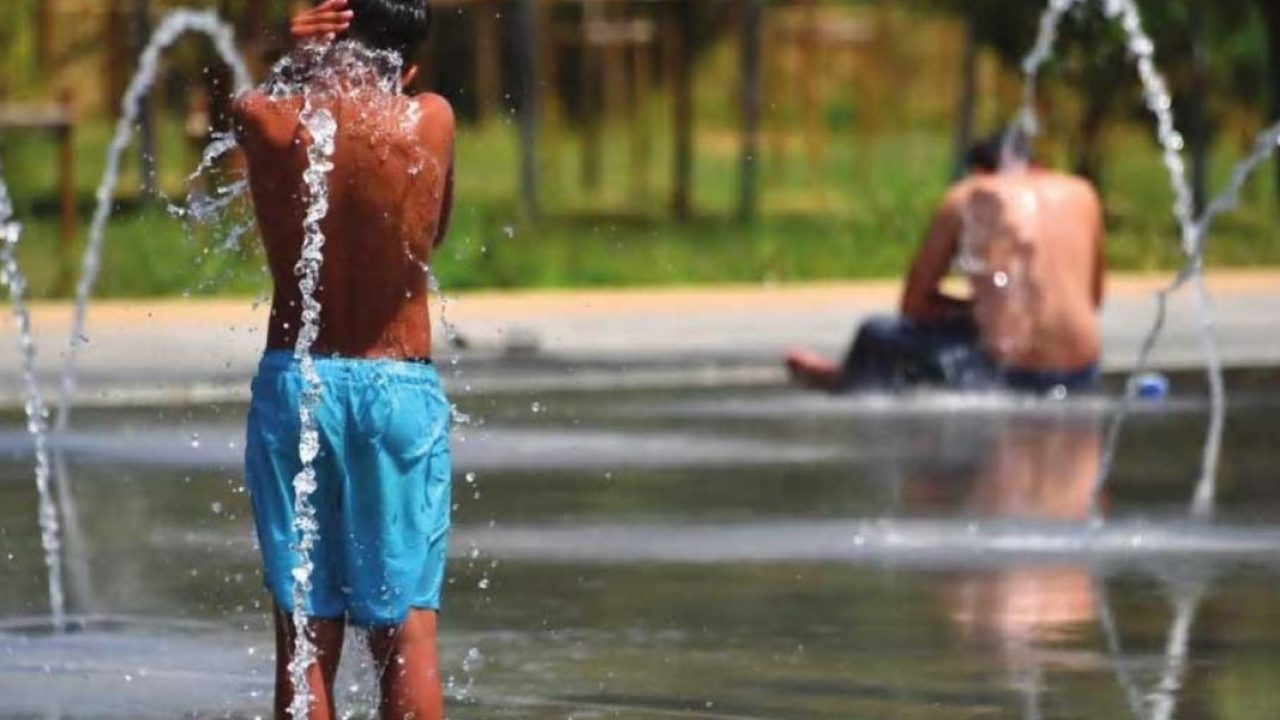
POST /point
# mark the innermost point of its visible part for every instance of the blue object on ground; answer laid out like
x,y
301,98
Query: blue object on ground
x,y
1152,386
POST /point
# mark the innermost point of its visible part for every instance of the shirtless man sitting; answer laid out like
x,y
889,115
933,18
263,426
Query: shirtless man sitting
x,y
383,470
1030,243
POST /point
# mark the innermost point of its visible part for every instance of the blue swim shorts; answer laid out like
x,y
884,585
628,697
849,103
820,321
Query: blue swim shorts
x,y
383,485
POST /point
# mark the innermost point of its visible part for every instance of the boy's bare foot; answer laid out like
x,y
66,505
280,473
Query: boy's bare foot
x,y
812,370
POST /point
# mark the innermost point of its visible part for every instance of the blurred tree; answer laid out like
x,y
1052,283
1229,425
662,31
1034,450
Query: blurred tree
x,y
1270,11
1202,47
18,45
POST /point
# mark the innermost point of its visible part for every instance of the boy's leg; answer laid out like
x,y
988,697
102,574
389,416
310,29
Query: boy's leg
x,y
882,352
327,636
410,670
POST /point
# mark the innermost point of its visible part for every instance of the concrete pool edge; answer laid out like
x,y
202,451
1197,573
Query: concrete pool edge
x,y
174,352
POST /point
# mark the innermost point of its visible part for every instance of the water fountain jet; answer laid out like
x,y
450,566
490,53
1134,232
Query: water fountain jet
x,y
33,405
1193,229
174,26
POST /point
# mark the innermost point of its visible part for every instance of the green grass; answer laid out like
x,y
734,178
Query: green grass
x,y
859,214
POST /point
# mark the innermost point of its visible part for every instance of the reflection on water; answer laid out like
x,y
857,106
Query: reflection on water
x,y
1034,469
1038,469
714,554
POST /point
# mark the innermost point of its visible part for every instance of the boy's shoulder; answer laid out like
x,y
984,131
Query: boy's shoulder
x,y
436,111
436,124
260,116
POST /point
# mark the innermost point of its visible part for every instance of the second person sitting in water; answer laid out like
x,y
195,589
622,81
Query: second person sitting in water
x,y
1030,243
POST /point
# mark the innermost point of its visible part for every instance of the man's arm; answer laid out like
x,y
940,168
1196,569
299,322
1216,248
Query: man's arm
x,y
439,129
446,207
246,113
923,299
1099,258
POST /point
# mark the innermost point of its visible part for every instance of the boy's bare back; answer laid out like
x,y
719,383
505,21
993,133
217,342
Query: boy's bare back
x,y
390,193
1036,300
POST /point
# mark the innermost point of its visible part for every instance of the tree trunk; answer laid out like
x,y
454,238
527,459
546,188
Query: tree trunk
x,y
146,118
219,86
641,119
592,121
487,60
1088,162
680,70
752,101
44,36
1271,15
1198,123
528,28
118,60
965,104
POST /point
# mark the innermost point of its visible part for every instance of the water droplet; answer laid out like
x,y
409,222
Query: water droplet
x,y
195,440
216,507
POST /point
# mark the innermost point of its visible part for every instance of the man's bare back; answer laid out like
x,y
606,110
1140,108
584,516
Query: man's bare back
x,y
1031,244
1032,247
390,193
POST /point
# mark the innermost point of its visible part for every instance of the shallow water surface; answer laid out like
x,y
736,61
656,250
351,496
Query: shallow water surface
x,y
727,553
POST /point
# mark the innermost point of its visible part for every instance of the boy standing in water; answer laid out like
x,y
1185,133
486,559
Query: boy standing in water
x,y
383,469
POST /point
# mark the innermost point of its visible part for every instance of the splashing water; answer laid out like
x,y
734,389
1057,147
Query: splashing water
x,y
1047,36
33,404
171,28
323,128
452,336
226,209
1193,230
205,207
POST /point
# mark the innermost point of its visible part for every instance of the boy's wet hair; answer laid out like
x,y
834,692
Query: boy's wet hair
x,y
988,154
398,26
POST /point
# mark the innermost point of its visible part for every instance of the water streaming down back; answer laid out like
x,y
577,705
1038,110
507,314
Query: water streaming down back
x,y
33,404
1193,231
321,126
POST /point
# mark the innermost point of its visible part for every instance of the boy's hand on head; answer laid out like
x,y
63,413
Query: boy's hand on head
x,y
321,22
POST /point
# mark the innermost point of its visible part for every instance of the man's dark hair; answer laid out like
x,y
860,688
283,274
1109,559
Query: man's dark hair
x,y
988,154
399,26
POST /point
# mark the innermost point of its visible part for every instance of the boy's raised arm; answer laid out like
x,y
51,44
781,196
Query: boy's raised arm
x,y
323,21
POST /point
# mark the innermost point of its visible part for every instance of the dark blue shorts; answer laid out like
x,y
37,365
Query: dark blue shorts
x,y
892,353
383,485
